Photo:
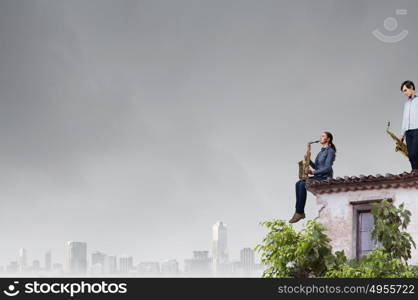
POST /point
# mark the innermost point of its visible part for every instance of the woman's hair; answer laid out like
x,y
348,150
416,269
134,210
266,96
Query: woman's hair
x,y
331,144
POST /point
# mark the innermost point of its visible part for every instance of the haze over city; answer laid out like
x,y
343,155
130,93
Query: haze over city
x,y
135,126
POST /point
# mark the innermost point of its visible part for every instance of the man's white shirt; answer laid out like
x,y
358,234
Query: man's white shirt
x,y
410,115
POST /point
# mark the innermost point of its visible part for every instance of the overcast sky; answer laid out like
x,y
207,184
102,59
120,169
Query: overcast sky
x,y
136,125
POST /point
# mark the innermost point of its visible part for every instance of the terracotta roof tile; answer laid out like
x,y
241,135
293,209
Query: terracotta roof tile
x,y
363,182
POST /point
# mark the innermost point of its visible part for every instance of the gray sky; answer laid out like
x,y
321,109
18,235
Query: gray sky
x,y
136,125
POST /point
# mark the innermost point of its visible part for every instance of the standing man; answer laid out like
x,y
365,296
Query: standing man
x,y
410,122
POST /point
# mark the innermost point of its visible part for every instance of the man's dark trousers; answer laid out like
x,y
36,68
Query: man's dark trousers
x,y
412,145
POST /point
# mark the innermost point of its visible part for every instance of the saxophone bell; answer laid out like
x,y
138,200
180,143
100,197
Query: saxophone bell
x,y
400,146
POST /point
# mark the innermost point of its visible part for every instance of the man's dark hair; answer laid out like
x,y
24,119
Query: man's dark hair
x,y
409,84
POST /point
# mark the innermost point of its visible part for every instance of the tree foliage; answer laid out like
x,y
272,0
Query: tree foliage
x,y
308,253
390,223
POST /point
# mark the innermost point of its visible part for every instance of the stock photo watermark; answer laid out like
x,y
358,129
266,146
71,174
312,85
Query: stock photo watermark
x,y
68,288
390,24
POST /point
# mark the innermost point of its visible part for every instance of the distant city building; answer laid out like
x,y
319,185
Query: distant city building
x,y
219,246
199,265
76,257
126,264
36,265
149,268
97,263
237,268
13,267
23,259
96,270
98,257
247,259
48,260
110,264
170,267
57,268
224,270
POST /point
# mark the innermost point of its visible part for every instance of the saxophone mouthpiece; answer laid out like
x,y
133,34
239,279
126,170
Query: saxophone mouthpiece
x,y
314,142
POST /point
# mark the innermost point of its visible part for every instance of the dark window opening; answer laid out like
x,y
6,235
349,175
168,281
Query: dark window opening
x,y
363,223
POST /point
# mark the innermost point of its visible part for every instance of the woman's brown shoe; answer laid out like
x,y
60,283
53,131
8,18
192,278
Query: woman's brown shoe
x,y
296,217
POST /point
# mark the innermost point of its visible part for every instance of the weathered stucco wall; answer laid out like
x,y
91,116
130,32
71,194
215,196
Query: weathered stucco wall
x,y
336,212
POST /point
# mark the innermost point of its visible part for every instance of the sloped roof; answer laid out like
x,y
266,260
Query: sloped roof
x,y
362,182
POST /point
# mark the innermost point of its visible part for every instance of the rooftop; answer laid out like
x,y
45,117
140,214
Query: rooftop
x,y
362,182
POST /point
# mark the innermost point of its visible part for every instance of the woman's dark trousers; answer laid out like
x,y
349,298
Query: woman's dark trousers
x,y
301,193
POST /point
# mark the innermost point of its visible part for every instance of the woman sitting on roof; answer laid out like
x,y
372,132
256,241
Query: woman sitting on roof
x,y
322,171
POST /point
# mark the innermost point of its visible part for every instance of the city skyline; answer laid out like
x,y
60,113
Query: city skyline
x,y
81,261
14,267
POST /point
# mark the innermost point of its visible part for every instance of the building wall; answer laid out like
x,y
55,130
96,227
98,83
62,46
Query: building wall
x,y
336,213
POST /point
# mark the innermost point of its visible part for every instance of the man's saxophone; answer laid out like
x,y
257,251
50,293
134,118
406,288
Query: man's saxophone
x,y
400,146
304,164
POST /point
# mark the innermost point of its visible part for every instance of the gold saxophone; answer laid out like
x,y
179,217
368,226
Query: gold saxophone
x,y
400,146
304,164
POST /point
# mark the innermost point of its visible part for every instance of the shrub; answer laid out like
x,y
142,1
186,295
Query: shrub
x,y
308,253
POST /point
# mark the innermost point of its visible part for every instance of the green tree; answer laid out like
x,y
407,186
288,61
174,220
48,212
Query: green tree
x,y
308,253
288,253
375,264
389,226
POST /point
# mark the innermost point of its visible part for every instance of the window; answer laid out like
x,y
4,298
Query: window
x,y
363,226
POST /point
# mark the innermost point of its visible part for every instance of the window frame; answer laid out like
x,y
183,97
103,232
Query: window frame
x,y
363,206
